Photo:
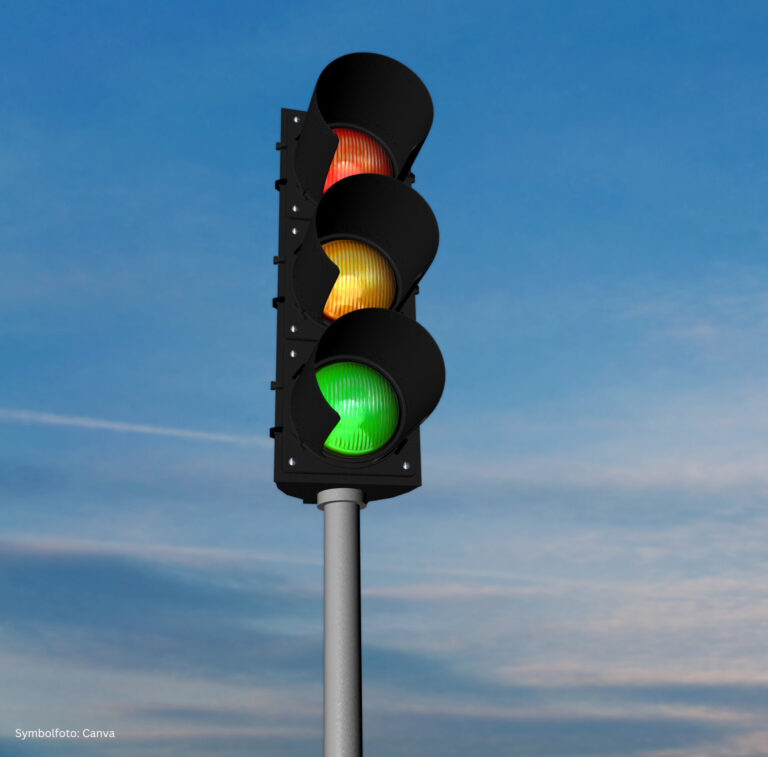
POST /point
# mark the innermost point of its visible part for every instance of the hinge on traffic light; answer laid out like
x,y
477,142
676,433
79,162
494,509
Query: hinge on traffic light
x,y
274,430
280,146
277,300
280,183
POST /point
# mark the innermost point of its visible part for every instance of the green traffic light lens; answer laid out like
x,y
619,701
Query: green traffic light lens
x,y
366,403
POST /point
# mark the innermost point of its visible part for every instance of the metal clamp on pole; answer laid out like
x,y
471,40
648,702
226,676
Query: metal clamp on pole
x,y
342,674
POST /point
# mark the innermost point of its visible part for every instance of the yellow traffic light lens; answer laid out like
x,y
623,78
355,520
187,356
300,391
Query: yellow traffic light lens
x,y
366,279
367,406
357,153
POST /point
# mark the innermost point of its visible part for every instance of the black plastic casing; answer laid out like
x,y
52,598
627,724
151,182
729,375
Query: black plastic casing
x,y
391,341
370,93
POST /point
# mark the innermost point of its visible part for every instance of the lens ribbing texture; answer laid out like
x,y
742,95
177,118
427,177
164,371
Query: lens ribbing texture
x,y
357,153
367,406
365,280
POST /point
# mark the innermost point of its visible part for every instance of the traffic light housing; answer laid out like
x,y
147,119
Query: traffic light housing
x,y
356,374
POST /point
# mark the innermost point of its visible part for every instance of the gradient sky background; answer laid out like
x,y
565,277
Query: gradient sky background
x,y
583,572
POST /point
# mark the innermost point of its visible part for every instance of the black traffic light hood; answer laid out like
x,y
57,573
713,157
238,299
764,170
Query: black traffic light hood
x,y
396,346
373,94
382,212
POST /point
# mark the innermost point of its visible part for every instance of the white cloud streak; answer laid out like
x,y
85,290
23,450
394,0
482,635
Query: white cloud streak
x,y
681,474
569,673
454,591
189,556
578,710
8,415
752,744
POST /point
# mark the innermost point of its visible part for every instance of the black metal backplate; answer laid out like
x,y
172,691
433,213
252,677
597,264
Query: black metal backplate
x,y
299,471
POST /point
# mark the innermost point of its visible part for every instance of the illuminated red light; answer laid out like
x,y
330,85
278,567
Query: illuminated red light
x,y
357,153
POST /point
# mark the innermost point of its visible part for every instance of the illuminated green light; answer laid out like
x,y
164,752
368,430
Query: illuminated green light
x,y
367,406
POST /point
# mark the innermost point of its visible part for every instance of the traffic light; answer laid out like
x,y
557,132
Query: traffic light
x,y
356,374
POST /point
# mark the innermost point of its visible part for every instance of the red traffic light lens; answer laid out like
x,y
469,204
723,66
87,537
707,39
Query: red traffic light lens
x,y
366,279
357,153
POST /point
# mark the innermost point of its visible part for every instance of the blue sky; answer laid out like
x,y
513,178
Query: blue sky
x,y
583,571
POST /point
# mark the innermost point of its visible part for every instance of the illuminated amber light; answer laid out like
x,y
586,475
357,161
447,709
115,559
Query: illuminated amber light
x,y
365,279
357,153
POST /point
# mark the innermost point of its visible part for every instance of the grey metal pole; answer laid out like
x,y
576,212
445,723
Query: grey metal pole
x,y
342,674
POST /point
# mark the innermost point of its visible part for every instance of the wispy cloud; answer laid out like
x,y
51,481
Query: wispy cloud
x,y
220,621
8,415
724,312
548,473
203,557
571,673
426,592
574,711
750,744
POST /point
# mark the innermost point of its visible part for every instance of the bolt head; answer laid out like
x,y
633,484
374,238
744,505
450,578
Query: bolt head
x,y
406,465
291,461
297,119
